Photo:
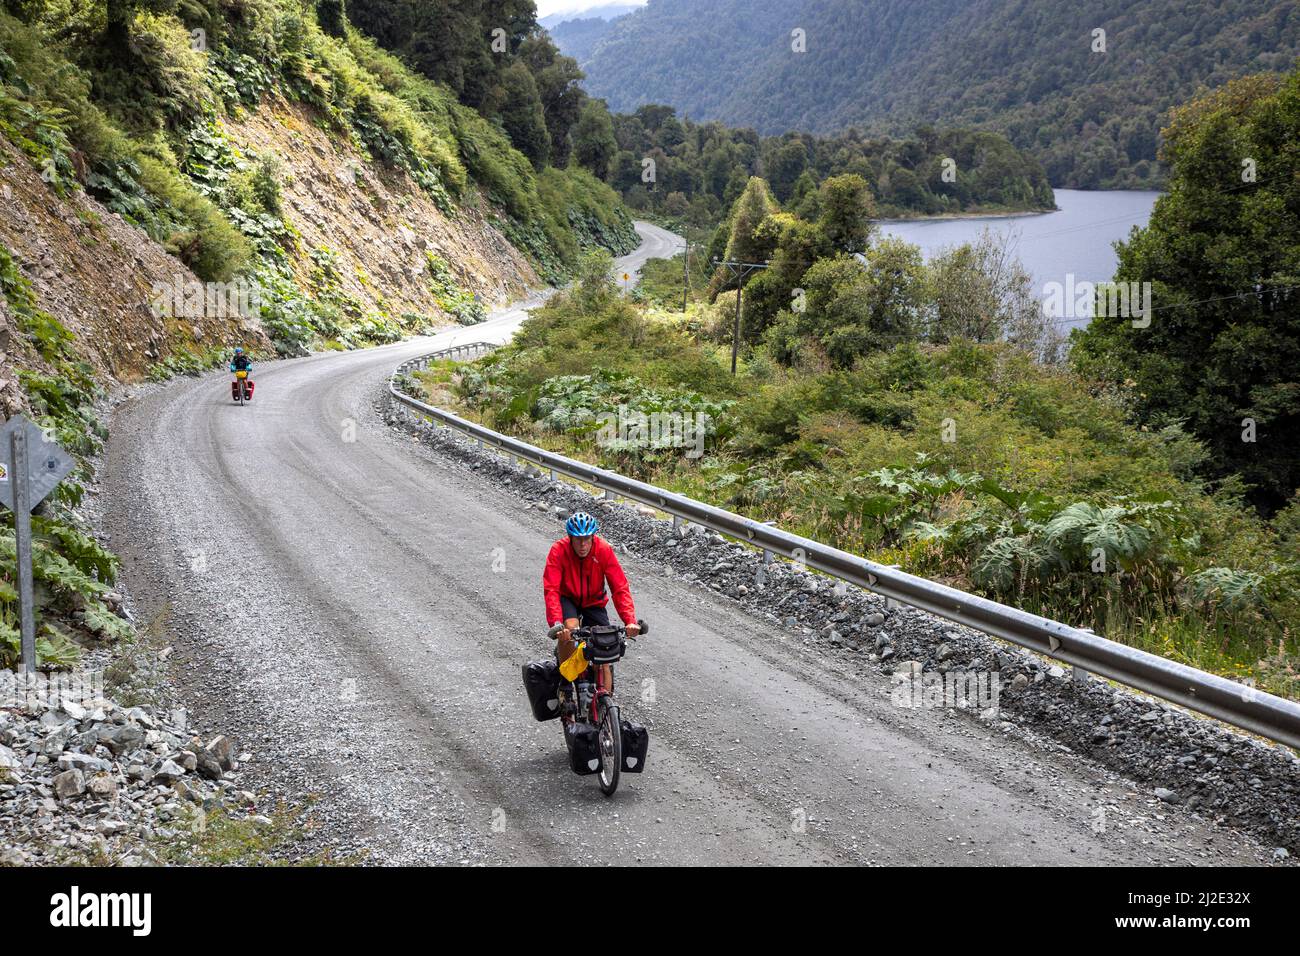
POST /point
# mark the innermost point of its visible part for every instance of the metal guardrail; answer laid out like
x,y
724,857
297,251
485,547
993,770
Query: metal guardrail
x,y
1265,714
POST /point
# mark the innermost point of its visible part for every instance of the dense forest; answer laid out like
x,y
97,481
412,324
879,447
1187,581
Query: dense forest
x,y
1220,352
700,169
667,165
1088,107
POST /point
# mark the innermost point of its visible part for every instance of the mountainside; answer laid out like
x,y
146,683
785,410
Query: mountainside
x,y
579,38
176,180
1032,69
604,12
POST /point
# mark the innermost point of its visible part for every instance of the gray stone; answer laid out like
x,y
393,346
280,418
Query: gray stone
x,y
75,761
222,750
169,770
55,742
69,784
122,739
207,765
103,786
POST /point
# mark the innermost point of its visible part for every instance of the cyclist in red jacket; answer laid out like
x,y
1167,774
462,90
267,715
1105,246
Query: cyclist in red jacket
x,y
578,569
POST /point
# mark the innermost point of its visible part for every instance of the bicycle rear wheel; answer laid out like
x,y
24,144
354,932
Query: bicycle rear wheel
x,y
610,736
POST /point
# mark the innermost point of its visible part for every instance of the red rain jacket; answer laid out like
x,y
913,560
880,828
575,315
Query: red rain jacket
x,y
582,580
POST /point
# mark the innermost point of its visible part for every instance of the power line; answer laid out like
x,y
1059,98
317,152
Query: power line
x,y
1180,305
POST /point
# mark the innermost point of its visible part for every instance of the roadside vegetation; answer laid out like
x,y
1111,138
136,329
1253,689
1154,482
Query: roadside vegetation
x,y
71,572
128,101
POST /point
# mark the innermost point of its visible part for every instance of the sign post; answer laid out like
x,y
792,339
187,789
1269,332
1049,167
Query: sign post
x,y
35,467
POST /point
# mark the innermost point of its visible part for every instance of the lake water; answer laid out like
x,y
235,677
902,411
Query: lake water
x,y
1074,241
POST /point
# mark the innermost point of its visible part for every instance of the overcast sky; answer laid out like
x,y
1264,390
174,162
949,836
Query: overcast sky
x,y
546,7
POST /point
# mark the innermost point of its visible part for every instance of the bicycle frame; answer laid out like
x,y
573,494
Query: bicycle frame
x,y
604,687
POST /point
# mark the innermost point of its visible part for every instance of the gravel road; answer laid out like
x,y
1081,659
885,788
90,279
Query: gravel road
x,y
353,607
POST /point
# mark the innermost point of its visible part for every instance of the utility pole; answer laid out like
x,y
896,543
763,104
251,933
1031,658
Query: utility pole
x,y
686,276
739,270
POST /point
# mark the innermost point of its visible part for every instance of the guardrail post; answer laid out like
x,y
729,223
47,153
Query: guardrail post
x,y
890,603
677,522
1080,675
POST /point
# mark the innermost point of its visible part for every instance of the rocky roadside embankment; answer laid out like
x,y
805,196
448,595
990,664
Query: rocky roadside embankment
x,y
1228,778
86,780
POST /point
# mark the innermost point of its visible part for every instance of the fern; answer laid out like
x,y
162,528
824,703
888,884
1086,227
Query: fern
x,y
99,620
1084,527
1226,589
1008,565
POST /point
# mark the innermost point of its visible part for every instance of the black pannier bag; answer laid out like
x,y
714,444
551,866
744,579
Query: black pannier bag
x,y
542,682
584,747
636,743
605,645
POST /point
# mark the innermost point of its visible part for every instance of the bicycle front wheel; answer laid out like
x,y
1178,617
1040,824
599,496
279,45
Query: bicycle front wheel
x,y
610,736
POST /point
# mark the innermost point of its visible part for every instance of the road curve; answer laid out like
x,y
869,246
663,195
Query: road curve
x,y
354,609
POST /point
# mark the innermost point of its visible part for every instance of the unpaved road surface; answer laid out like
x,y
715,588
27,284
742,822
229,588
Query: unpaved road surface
x,y
354,608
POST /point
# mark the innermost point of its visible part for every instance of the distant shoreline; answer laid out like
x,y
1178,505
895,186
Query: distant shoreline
x,y
998,214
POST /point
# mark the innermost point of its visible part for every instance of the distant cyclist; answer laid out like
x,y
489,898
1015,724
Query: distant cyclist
x,y
241,362
578,569
242,367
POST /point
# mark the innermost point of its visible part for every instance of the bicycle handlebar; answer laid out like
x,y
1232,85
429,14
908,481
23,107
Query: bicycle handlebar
x,y
583,631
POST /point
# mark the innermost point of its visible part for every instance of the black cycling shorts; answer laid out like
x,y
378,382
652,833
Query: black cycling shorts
x,y
587,616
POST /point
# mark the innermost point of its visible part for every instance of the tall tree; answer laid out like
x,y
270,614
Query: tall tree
x,y
746,240
847,211
557,81
1221,345
516,101
594,144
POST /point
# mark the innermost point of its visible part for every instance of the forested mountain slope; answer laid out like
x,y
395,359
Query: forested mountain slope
x,y
1032,69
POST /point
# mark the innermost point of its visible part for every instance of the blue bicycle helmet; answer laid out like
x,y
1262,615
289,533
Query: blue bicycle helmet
x,y
581,525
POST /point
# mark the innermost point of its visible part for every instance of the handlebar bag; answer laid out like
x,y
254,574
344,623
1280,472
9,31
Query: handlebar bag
x,y
584,748
542,683
636,743
606,645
